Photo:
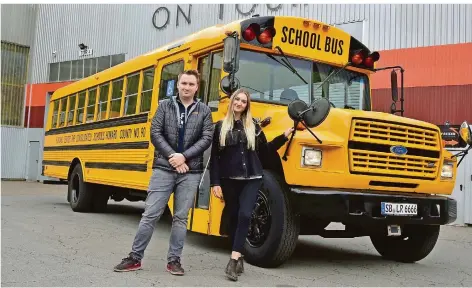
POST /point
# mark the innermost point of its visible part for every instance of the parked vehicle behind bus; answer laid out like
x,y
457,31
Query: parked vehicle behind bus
x,y
382,175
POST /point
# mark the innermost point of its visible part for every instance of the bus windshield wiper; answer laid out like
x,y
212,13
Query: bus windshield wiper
x,y
288,64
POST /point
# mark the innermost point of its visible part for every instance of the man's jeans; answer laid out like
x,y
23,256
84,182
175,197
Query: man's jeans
x,y
161,186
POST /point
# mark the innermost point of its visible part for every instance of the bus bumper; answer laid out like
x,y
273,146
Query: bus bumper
x,y
366,208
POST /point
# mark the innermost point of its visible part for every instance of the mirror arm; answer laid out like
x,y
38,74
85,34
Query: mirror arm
x,y
463,154
402,99
290,141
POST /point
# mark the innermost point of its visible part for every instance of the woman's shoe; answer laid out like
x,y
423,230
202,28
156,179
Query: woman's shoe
x,y
240,266
231,270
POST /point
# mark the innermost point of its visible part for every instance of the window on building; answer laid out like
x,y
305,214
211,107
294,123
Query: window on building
x,y
14,67
131,96
91,104
78,69
70,117
169,78
115,103
80,108
103,103
146,94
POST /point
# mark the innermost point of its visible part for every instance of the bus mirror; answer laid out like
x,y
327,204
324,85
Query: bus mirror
x,y
393,108
393,80
231,53
466,133
312,116
227,87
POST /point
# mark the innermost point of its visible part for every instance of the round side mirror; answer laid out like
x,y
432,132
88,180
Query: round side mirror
x,y
228,87
466,133
314,117
295,107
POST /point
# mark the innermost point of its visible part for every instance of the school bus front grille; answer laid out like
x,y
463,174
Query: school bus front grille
x,y
370,142
394,134
388,164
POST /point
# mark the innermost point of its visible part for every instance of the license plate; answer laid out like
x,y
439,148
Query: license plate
x,y
399,209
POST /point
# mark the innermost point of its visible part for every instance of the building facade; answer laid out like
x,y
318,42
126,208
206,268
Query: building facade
x,y
59,44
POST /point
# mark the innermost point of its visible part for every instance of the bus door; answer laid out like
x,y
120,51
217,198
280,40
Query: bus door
x,y
167,72
207,210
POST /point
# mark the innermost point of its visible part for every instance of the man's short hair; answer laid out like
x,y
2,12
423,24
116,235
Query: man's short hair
x,y
191,72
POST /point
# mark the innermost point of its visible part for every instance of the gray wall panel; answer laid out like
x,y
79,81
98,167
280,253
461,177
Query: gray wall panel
x,y
115,29
14,150
18,23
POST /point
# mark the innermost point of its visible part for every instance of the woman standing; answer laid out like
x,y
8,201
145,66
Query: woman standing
x,y
236,170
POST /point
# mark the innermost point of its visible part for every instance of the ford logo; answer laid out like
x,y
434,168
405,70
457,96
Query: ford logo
x,y
398,150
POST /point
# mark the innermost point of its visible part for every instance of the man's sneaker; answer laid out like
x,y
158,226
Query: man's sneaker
x,y
128,264
175,268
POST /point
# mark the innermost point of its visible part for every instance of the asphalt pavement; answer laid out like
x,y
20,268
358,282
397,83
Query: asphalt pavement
x,y
45,243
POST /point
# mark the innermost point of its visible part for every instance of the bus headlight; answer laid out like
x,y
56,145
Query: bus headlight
x,y
311,157
446,171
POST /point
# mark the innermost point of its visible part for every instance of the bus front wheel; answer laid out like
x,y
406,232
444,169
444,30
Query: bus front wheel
x,y
80,194
274,229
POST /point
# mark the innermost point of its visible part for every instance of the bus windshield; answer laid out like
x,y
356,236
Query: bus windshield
x,y
268,79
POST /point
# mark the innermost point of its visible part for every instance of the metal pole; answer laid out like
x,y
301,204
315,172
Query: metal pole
x,y
27,129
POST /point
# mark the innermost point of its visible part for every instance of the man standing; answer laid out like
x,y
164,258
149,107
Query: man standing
x,y
181,130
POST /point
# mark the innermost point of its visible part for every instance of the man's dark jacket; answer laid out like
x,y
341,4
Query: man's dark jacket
x,y
165,134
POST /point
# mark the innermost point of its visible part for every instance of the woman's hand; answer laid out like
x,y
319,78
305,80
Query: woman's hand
x,y
217,192
288,132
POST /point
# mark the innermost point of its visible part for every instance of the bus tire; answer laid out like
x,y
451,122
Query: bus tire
x,y
417,243
100,199
283,230
80,192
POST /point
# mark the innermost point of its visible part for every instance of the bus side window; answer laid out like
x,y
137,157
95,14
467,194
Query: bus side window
x,y
210,79
102,104
116,93
70,117
146,94
215,76
80,108
54,114
91,105
131,96
62,116
203,65
169,78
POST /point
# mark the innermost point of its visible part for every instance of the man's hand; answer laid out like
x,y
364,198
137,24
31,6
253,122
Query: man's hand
x,y
176,159
182,168
217,192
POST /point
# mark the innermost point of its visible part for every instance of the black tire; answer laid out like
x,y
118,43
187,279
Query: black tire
x,y
80,194
100,198
415,244
281,227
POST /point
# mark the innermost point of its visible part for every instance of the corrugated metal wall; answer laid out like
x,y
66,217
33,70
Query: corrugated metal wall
x,y
18,23
114,29
14,150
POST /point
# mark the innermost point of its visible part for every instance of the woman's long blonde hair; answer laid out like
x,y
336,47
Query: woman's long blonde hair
x,y
246,118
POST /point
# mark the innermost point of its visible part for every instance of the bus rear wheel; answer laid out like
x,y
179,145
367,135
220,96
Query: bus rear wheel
x,y
80,194
274,229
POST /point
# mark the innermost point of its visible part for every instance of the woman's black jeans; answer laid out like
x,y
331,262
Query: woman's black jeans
x,y
240,198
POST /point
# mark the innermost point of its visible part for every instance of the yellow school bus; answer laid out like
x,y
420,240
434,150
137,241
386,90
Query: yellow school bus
x,y
382,175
